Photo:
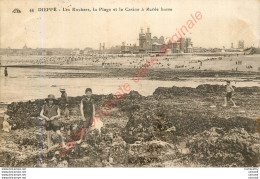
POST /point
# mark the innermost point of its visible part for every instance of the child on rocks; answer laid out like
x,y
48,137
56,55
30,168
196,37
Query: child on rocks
x,y
51,113
87,109
228,96
6,126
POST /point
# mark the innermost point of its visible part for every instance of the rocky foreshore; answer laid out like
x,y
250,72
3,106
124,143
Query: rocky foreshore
x,y
174,127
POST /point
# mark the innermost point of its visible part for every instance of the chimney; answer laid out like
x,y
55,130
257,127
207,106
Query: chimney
x,y
148,30
142,30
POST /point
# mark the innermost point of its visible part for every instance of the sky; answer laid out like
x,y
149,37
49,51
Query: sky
x,y
222,22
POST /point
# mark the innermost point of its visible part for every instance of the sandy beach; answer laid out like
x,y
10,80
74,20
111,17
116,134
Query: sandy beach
x,y
181,71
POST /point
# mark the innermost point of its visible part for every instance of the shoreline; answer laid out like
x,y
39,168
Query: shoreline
x,y
153,73
251,89
5,104
58,77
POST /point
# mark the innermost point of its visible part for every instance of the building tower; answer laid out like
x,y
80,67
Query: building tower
x,y
148,37
188,45
148,34
141,39
161,40
188,42
241,44
182,45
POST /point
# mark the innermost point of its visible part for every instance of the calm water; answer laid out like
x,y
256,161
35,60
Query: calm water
x,y
26,84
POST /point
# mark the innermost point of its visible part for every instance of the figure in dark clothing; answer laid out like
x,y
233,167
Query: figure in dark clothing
x,y
63,103
50,114
6,72
87,109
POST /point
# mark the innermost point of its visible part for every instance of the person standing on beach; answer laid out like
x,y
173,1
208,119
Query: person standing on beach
x,y
228,97
6,72
63,103
51,114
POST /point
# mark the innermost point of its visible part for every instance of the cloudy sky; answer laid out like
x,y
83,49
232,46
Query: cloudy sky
x,y
223,22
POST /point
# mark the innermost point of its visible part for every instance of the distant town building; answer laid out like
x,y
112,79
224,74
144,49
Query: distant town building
x,y
129,48
76,51
146,41
87,50
241,44
184,45
154,45
25,47
223,49
147,44
115,49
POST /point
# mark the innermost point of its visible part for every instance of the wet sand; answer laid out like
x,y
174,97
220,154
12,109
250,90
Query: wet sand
x,y
156,73
36,82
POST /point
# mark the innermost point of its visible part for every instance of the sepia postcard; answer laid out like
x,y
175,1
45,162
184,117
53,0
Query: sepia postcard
x,y
134,83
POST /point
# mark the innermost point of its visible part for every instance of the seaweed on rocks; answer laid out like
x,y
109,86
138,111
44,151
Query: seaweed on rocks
x,y
217,148
147,126
144,131
146,153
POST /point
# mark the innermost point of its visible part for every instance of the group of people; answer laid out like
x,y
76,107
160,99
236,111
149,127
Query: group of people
x,y
53,109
